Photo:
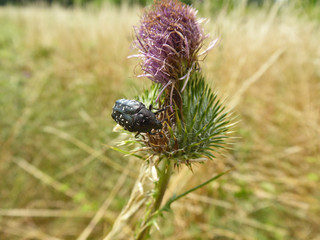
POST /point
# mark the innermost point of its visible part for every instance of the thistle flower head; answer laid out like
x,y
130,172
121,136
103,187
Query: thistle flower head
x,y
168,39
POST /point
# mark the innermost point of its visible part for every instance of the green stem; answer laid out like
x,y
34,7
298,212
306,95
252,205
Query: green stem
x,y
164,178
175,198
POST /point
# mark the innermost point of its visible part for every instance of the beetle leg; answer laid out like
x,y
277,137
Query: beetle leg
x,y
160,110
151,107
163,109
136,136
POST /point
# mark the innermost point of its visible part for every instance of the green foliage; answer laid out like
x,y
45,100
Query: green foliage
x,y
78,2
214,6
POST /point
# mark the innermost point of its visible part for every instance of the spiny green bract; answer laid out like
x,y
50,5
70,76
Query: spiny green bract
x,y
202,127
199,130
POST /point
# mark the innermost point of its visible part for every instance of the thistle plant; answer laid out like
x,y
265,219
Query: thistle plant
x,y
195,123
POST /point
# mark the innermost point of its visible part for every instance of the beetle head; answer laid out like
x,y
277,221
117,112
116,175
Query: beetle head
x,y
157,124
147,121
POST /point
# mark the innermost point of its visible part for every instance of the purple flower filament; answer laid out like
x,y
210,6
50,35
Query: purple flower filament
x,y
169,39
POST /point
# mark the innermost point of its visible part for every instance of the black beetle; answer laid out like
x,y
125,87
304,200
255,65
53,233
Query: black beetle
x,y
134,116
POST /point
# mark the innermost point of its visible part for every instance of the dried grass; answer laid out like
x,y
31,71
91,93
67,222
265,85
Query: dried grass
x,y
61,71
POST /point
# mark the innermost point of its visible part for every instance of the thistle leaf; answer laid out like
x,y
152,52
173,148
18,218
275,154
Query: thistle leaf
x,y
167,205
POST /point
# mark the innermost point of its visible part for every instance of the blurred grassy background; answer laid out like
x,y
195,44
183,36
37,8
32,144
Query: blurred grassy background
x,y
61,71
